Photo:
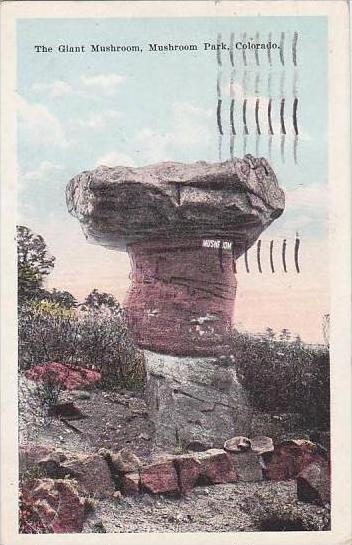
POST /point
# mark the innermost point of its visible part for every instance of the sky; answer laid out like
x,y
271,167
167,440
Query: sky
x,y
80,110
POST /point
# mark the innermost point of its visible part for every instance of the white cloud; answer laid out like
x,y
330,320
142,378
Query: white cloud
x,y
115,158
55,89
106,83
46,172
39,125
99,120
191,131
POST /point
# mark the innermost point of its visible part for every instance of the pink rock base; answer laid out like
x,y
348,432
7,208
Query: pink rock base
x,y
181,301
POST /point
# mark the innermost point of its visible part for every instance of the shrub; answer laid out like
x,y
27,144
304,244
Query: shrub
x,y
94,338
48,391
283,376
277,517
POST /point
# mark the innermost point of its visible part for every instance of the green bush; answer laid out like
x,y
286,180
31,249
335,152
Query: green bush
x,y
283,376
95,338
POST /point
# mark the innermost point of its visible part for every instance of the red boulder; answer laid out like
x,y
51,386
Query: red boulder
x,y
188,469
289,458
217,466
160,478
50,506
69,377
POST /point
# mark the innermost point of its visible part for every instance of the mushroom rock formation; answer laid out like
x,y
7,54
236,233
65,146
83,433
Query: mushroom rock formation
x,y
184,226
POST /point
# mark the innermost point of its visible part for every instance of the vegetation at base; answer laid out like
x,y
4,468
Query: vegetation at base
x,y
285,376
53,326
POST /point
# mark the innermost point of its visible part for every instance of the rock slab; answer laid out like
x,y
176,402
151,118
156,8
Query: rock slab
x,y
236,200
194,400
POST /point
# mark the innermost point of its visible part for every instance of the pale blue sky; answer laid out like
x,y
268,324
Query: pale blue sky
x,y
79,110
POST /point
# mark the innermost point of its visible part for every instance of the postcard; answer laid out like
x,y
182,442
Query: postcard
x,y
175,250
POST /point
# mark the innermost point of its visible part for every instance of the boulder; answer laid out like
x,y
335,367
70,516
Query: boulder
x,y
289,458
237,444
178,389
54,506
216,467
124,461
131,484
160,478
188,470
261,444
91,472
64,375
45,458
313,483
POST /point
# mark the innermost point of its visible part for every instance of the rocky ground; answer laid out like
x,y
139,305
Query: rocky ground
x,y
112,420
236,507
116,420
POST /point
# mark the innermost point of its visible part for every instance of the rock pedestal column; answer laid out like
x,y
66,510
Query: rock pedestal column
x,y
183,226
180,309
181,300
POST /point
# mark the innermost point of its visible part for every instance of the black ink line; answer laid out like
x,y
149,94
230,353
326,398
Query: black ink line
x,y
257,115
232,105
259,243
295,126
297,244
271,131
232,38
246,261
282,116
282,45
294,48
218,50
284,255
218,84
272,256
244,110
218,116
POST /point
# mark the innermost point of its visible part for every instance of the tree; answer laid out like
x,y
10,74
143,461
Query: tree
x,y
34,262
96,300
285,335
63,298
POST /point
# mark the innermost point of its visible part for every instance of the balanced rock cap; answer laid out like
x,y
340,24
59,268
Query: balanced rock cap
x,y
235,200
